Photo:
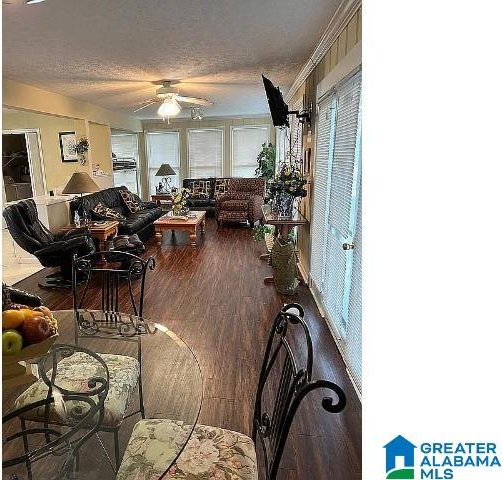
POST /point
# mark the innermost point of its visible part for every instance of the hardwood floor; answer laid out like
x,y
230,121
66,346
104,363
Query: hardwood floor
x,y
214,298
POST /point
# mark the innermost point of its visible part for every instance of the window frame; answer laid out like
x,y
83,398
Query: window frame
x,y
201,129
244,127
148,167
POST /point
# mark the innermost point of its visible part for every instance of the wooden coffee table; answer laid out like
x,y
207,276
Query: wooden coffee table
x,y
191,225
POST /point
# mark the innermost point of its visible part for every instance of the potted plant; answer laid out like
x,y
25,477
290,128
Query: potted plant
x,y
266,162
81,148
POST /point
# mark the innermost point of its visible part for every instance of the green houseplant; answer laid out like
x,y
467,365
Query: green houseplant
x,y
266,162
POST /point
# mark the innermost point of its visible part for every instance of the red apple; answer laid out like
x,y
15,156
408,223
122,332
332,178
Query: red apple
x,y
35,329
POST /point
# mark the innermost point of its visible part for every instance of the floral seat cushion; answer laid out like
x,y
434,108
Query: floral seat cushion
x,y
235,205
73,374
211,453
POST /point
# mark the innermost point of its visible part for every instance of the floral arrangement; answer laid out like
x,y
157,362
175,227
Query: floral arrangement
x,y
180,200
285,188
81,148
289,180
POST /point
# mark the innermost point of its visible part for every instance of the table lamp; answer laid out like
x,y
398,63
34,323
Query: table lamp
x,y
165,171
80,182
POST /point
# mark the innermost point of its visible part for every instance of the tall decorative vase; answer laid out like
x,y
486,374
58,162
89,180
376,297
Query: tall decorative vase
x,y
284,205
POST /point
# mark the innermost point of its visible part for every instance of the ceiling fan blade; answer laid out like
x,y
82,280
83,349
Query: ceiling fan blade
x,y
194,100
144,106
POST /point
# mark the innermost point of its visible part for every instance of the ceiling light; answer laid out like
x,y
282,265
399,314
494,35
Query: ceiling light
x,y
168,108
30,2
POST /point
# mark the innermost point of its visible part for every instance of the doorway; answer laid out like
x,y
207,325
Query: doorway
x,y
22,170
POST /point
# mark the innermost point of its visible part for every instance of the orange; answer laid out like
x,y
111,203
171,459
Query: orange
x,y
29,313
12,319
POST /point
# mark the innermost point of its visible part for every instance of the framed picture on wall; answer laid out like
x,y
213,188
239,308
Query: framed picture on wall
x,y
67,142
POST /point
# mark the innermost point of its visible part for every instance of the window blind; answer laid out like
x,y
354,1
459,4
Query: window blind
x,y
336,273
342,201
348,93
163,147
125,161
246,145
281,146
324,148
354,325
125,145
205,152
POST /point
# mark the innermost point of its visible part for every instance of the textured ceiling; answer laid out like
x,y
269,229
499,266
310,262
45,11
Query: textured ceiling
x,y
108,51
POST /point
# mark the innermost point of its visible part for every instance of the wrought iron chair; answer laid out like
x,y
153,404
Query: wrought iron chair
x,y
284,382
53,401
121,269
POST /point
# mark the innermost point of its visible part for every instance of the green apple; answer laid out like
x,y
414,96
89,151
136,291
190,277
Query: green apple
x,y
12,342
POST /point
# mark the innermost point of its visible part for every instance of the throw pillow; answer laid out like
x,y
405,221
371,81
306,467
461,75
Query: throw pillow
x,y
221,186
104,212
130,201
201,189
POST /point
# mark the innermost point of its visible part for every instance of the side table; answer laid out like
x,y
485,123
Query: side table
x,y
99,231
283,227
163,199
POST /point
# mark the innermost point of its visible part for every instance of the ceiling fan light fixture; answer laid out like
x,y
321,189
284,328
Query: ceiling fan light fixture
x,y
169,108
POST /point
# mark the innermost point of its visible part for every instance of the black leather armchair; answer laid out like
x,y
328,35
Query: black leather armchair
x,y
52,250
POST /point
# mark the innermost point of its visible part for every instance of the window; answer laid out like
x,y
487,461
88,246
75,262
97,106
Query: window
x,y
163,148
246,145
205,152
281,146
336,217
125,160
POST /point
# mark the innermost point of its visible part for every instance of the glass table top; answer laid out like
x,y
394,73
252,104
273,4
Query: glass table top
x,y
171,380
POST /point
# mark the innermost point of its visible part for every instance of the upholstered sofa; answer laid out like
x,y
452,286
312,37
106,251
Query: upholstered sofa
x,y
140,222
205,192
242,202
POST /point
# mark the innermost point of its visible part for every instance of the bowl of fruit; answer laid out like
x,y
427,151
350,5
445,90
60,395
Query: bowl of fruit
x,y
27,333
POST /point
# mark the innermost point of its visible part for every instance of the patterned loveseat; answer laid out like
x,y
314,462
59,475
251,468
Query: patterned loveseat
x,y
242,202
205,192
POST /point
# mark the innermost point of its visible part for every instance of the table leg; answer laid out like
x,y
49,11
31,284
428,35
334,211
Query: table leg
x,y
193,237
158,237
101,248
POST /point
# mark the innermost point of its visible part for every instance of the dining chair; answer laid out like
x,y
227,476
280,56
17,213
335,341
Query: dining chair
x,y
55,400
115,279
213,452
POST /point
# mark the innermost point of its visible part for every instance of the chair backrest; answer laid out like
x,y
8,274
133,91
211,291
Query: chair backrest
x,y
253,186
25,227
83,411
283,384
121,269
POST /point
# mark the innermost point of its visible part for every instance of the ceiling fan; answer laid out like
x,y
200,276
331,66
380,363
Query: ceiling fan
x,y
170,99
27,2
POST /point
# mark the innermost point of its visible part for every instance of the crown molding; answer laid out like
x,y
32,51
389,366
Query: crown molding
x,y
338,22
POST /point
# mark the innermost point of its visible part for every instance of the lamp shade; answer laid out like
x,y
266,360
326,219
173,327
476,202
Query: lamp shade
x,y
165,170
80,182
169,107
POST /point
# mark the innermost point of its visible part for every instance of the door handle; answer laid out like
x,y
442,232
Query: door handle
x,y
348,246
